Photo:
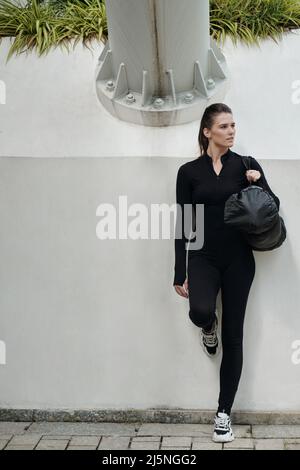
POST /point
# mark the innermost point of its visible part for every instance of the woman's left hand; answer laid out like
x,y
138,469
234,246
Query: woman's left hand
x,y
253,175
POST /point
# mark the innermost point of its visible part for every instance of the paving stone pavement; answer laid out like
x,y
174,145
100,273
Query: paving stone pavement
x,y
143,436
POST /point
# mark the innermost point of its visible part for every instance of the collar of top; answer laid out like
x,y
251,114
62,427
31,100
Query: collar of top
x,y
224,157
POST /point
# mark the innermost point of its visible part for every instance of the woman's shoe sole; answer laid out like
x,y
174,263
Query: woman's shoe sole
x,y
223,437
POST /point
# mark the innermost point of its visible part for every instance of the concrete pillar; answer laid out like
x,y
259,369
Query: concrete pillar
x,y
159,67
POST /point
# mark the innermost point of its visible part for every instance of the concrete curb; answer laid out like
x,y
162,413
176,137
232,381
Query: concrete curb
x,y
150,415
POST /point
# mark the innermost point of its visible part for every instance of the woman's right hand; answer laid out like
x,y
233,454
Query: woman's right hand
x,y
183,290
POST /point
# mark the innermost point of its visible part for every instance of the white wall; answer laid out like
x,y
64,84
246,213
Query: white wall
x,y
52,108
90,323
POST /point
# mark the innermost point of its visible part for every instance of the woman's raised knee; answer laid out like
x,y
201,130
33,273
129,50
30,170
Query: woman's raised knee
x,y
202,317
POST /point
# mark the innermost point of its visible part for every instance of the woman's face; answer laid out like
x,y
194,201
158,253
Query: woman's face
x,y
222,132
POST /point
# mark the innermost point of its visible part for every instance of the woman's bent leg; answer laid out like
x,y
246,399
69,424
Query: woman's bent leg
x,y
204,282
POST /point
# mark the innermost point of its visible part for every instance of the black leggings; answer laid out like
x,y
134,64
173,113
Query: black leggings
x,y
233,273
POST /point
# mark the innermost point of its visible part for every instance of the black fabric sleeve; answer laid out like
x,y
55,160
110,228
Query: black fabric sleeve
x,y
262,181
183,196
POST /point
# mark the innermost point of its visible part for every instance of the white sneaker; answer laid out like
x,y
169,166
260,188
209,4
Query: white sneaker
x,y
222,431
210,341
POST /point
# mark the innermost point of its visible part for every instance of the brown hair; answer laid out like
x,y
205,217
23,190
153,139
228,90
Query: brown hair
x,y
208,120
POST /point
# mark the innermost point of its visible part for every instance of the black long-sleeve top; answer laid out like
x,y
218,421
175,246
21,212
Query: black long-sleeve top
x,y
198,183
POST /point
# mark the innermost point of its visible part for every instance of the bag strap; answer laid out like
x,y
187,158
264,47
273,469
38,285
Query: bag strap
x,y
246,161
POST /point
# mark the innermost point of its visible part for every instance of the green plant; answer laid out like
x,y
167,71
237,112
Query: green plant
x,y
42,25
252,20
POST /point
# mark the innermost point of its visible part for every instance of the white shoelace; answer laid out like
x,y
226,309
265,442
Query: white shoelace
x,y
210,339
222,422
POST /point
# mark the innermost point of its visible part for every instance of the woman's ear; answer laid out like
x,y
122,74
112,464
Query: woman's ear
x,y
206,132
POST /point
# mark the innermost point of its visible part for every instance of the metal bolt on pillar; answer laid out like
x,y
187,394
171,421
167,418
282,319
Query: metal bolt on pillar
x,y
160,67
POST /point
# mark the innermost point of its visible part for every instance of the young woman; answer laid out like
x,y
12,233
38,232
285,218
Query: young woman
x,y
225,260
